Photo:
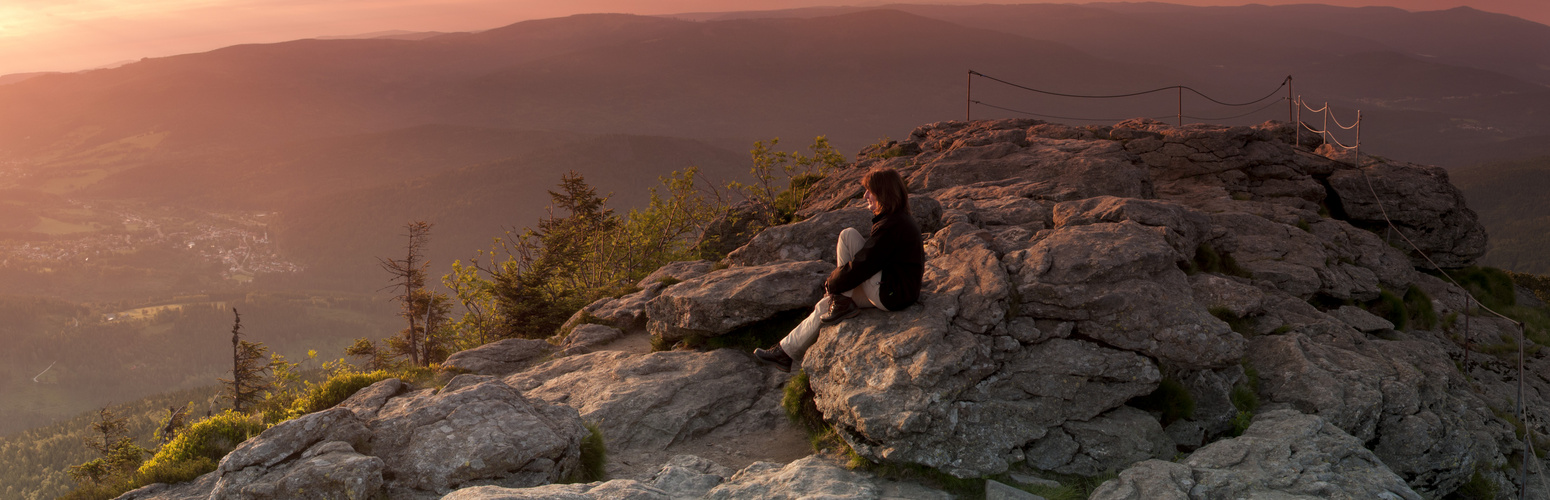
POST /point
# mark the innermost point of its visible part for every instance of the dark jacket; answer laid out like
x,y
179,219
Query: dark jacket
x,y
894,248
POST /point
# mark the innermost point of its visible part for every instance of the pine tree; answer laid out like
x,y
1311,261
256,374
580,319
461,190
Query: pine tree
x,y
118,452
249,369
408,279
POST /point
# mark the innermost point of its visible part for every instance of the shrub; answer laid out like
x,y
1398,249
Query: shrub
x,y
1171,399
337,388
210,439
1491,286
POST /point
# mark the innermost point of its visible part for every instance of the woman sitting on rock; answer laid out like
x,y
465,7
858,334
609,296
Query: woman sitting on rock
x,y
883,270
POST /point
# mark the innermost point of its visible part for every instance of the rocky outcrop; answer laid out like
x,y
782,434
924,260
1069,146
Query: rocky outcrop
x,y
1284,454
1070,271
1146,251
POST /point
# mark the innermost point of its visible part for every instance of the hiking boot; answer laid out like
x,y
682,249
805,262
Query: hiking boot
x,y
774,355
840,307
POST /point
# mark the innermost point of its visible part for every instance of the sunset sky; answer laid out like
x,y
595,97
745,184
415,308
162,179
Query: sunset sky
x,y
71,35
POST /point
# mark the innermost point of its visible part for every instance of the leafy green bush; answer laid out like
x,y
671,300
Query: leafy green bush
x,y
192,453
337,388
211,438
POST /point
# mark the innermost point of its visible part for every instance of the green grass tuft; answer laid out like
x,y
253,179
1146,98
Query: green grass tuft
x,y
1421,314
1071,487
1170,398
761,334
594,456
1391,307
1238,324
1479,487
1245,398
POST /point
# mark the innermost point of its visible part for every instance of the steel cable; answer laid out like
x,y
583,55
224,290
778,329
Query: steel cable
x,y
988,105
1277,102
1133,94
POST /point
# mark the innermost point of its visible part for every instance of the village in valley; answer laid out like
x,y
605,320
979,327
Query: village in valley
x,y
78,235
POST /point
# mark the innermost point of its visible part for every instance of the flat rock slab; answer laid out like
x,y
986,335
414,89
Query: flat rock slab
x,y
651,401
1284,454
498,358
725,300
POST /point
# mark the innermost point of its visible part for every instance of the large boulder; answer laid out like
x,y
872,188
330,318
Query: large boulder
x,y
811,239
1117,281
650,401
316,452
498,358
908,387
476,430
725,300
1283,455
1405,397
1422,204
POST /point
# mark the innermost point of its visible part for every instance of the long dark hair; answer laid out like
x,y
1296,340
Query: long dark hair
x,y
888,188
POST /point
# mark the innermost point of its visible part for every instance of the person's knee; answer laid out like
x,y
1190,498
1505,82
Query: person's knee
x,y
851,233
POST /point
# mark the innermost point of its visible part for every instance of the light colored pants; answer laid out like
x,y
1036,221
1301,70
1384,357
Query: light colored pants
x,y
805,334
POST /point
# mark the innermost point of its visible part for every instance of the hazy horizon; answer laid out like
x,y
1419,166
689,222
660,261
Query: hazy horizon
x,y
42,35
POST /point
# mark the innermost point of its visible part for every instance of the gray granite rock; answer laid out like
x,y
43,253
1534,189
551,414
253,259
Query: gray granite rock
x,y
498,358
1283,455
650,401
725,300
